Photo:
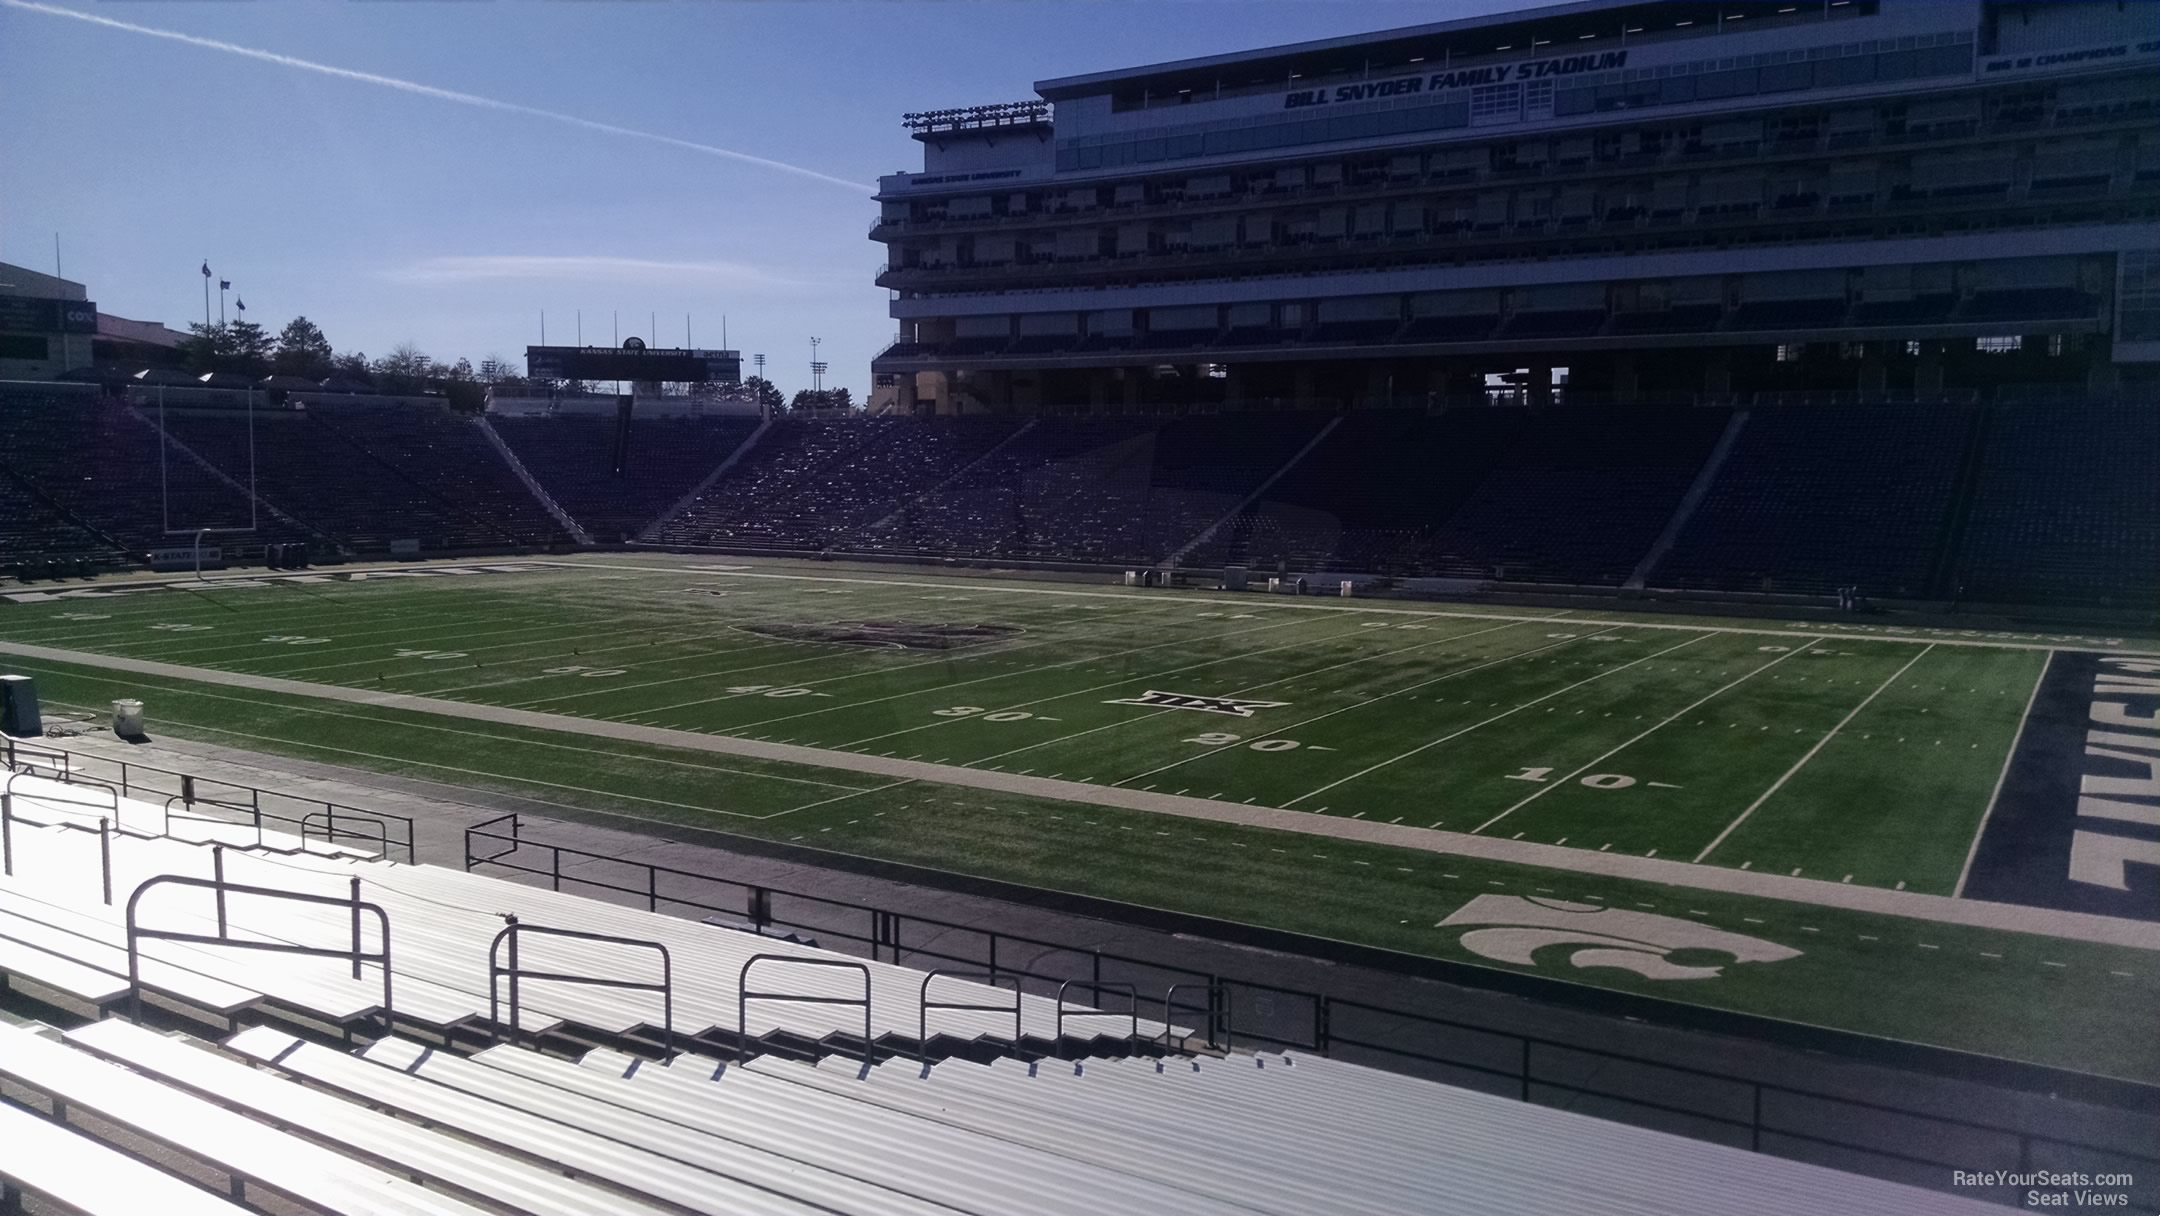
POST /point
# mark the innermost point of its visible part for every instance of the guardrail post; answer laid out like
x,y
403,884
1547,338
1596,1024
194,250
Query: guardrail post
x,y
555,866
760,907
356,937
217,872
255,801
104,837
187,788
7,833
510,922
652,888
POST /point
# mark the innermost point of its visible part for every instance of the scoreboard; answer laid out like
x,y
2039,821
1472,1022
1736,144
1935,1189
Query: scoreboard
x,y
634,361
38,315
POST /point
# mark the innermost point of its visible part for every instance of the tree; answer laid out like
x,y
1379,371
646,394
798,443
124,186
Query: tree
x,y
829,399
460,372
302,350
352,365
404,370
205,347
248,348
765,393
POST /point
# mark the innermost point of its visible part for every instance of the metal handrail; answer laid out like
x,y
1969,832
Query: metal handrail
x,y
480,830
1132,995
1212,987
514,928
1323,1039
743,997
924,1005
7,822
407,838
136,933
329,817
15,752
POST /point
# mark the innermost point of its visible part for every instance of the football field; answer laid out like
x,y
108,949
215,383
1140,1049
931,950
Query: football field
x,y
1770,757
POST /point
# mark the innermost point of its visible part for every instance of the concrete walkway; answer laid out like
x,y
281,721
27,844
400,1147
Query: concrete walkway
x,y
1936,908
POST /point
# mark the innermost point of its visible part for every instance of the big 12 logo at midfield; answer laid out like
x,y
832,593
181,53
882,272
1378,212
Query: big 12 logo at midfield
x,y
1234,706
1516,927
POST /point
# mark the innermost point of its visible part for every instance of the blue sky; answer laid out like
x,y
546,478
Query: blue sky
x,y
389,216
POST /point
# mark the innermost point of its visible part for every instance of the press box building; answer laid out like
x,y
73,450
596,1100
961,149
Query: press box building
x,y
1663,199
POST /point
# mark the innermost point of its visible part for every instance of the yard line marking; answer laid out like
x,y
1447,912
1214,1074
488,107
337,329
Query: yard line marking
x,y
1299,725
986,652
1025,671
839,798
1995,795
1541,791
1129,679
1819,745
1250,688
1371,768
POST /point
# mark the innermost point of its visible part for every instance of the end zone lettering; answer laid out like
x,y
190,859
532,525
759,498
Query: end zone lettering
x,y
2076,824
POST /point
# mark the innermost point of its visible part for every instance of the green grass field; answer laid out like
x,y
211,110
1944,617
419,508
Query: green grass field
x,y
1853,756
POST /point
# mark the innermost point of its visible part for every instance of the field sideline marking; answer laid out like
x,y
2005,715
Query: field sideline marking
x,y
1675,716
475,772
1506,658
477,734
1819,745
1372,768
2079,926
1973,851
1371,607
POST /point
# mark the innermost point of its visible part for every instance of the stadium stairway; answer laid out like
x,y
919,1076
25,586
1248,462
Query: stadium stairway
x,y
1230,517
539,492
690,497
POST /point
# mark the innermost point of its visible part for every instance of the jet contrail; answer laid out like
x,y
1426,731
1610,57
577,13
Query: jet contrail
x,y
427,90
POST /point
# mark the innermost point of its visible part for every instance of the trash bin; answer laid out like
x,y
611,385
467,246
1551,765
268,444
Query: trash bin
x,y
127,719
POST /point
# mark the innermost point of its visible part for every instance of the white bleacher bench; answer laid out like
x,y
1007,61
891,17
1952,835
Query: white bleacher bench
x,y
532,1136
426,1153
231,1143
90,1177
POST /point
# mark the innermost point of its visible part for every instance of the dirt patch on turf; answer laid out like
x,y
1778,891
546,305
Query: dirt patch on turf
x,y
887,635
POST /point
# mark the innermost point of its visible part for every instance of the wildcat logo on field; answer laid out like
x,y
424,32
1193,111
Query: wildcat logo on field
x,y
1514,928
1207,705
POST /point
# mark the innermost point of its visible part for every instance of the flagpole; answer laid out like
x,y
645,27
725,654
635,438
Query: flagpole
x,y
206,293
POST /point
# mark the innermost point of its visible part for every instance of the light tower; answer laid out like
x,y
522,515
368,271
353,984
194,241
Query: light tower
x,y
817,368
